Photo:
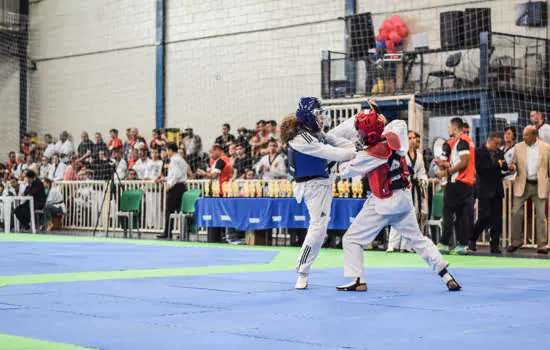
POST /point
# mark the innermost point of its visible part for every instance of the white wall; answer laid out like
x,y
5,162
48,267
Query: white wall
x,y
9,106
240,61
95,66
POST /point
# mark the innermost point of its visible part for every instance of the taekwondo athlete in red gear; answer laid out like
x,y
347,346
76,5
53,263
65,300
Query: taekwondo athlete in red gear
x,y
311,156
390,202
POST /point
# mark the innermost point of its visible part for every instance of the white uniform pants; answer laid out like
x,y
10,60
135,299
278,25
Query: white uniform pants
x,y
396,241
318,199
368,223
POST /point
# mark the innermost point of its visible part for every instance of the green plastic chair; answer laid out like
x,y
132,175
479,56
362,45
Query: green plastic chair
x,y
130,205
436,219
187,210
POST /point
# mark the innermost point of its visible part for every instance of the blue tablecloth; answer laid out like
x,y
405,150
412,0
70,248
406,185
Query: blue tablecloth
x,y
265,213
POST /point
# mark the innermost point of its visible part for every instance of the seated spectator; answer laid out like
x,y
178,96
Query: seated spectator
x,y
71,170
57,170
100,145
115,144
12,164
27,146
54,204
102,167
133,157
45,168
508,150
242,162
86,147
137,140
18,169
250,174
13,188
3,173
225,139
154,171
120,165
272,166
192,144
132,175
30,164
127,144
157,142
34,188
260,140
232,154
142,164
64,147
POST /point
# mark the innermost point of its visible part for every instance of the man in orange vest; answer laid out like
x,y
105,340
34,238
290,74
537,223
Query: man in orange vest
x,y
457,164
219,166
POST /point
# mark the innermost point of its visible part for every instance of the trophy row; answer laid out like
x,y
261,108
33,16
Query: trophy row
x,y
275,189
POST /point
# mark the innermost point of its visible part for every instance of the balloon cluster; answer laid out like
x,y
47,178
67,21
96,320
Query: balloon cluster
x,y
391,34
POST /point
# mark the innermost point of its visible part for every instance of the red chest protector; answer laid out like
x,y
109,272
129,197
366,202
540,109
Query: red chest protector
x,y
383,180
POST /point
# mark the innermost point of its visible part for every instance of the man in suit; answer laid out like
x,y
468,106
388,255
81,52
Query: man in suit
x,y
35,188
490,163
531,163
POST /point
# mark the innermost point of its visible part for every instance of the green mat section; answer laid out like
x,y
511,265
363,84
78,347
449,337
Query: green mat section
x,y
10,342
285,260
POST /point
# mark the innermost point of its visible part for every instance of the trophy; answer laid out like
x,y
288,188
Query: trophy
x,y
236,189
246,189
226,189
258,186
276,189
215,189
360,187
334,192
354,188
341,188
347,188
287,188
207,189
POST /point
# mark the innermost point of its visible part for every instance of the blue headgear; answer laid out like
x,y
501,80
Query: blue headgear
x,y
308,109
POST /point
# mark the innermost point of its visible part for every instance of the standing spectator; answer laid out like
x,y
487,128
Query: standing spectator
x,y
232,155
115,144
142,164
219,166
49,150
543,129
12,164
54,204
137,140
34,188
157,142
99,146
45,167
178,172
127,144
3,174
165,162
272,166
466,129
225,139
86,147
489,190
64,147
27,146
532,166
193,147
508,149
458,166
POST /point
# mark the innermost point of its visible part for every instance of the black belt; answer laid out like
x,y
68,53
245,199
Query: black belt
x,y
532,182
399,184
307,178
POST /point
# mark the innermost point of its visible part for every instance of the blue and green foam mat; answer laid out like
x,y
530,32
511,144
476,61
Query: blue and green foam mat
x,y
65,292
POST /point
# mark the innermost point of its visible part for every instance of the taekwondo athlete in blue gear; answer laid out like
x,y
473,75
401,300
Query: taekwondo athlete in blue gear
x,y
311,154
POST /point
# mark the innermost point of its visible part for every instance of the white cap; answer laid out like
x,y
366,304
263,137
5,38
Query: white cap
x,y
187,126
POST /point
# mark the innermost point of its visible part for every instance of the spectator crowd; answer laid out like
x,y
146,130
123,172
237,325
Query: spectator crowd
x,y
465,172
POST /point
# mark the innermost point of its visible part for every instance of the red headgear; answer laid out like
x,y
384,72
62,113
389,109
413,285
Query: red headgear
x,y
370,126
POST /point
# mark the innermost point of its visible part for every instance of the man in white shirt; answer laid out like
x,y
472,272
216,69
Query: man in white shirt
x,y
178,173
142,164
64,147
50,146
531,162
45,168
543,129
272,166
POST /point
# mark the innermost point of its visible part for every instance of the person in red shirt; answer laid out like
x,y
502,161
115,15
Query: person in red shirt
x,y
219,166
137,140
157,142
115,144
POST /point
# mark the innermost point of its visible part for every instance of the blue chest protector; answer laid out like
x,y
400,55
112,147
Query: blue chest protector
x,y
304,167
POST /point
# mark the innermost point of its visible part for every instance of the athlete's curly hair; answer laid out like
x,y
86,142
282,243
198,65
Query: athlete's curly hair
x,y
288,128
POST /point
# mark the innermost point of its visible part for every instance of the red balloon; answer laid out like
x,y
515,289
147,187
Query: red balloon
x,y
395,37
384,34
402,30
386,25
390,46
380,38
395,19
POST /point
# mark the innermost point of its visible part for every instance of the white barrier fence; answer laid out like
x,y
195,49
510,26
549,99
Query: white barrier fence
x,y
85,201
